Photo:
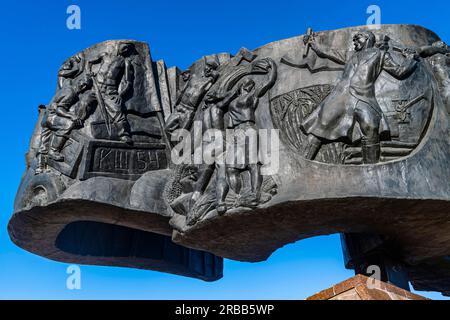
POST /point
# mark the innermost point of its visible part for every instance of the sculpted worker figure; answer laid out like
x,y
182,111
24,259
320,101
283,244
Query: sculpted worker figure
x,y
440,53
241,106
353,99
59,120
71,69
239,155
115,68
191,96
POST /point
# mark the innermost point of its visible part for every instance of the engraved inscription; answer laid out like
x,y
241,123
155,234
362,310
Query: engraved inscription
x,y
112,160
122,161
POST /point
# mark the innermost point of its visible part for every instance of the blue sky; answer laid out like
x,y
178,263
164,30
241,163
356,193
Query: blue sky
x,y
36,42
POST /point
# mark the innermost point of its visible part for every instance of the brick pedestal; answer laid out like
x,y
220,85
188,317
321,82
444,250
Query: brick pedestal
x,y
361,287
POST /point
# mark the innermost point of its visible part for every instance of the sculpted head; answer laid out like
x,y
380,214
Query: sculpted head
x,y
211,64
125,49
185,75
363,40
68,64
247,86
85,83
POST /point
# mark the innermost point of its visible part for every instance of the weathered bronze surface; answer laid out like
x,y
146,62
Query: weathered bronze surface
x,y
363,126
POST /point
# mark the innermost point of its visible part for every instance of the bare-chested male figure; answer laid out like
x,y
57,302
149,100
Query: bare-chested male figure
x,y
115,69
191,96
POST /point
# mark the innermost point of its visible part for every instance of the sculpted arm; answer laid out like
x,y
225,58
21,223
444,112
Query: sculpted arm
x,y
272,68
399,71
61,110
428,51
230,96
333,55
67,73
221,101
128,78
95,60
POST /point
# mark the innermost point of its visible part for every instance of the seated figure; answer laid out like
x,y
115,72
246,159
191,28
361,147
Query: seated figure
x,y
59,120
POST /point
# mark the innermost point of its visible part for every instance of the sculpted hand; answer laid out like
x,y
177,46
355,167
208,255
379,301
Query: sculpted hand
x,y
211,98
78,123
119,100
410,53
306,39
182,109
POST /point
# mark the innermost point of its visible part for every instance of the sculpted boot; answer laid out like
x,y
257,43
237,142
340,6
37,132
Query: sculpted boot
x,y
123,129
370,152
221,208
312,147
41,164
126,139
56,147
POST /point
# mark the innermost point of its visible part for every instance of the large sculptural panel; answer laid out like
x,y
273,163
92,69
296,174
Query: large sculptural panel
x,y
135,164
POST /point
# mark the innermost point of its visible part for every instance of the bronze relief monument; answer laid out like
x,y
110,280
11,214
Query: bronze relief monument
x,y
343,131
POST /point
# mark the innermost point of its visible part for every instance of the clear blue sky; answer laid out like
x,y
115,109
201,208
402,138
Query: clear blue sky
x,y
35,41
